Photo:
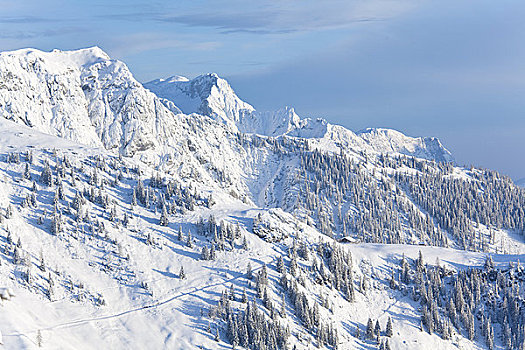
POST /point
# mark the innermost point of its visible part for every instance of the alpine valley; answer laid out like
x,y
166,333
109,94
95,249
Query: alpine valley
x,y
174,215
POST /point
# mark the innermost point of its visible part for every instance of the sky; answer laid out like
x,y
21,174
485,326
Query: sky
x,y
449,68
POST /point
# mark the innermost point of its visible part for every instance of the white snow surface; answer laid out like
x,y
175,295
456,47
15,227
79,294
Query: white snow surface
x,y
82,103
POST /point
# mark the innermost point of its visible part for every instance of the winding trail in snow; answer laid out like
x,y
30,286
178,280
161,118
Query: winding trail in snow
x,y
157,304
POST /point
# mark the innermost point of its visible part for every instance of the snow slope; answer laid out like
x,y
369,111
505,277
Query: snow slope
x,y
168,313
115,271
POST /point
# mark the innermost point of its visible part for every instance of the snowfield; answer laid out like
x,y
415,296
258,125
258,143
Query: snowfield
x,y
175,216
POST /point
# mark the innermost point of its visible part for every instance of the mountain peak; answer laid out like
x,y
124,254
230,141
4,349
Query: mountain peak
x,y
175,78
206,94
392,140
80,57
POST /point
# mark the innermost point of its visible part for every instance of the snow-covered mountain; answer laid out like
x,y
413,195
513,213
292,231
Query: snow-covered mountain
x,y
83,96
175,215
207,95
87,97
212,96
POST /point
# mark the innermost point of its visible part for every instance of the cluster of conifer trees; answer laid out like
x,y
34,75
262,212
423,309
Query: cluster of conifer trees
x,y
407,200
472,301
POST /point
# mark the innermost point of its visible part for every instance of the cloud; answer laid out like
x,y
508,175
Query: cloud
x,y
24,19
236,64
274,17
269,21
137,43
23,35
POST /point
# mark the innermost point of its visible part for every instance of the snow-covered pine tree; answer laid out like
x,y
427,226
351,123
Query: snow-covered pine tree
x,y
249,273
189,240
370,329
164,221
205,253
389,330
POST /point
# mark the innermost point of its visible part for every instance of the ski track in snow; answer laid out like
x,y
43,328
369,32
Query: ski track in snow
x,y
157,304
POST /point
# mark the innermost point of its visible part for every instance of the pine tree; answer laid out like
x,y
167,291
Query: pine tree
x,y
134,198
9,211
46,177
205,254
189,241
377,329
389,330
29,276
164,221
249,273
149,239
27,172
357,332
370,329
263,275
56,225
50,288
232,293
39,339
244,297
280,265
17,256
42,262
283,306
182,275
350,295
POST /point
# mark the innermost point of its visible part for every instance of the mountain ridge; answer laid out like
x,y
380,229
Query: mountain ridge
x,y
128,220
213,96
86,96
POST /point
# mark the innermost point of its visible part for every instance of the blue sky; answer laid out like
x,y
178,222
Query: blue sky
x,y
452,69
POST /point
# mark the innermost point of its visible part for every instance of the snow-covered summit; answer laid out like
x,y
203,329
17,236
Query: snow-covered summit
x,y
213,96
84,56
389,140
81,95
207,94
